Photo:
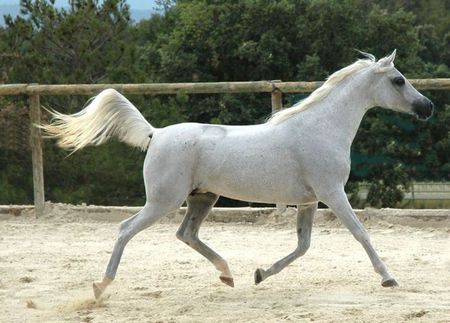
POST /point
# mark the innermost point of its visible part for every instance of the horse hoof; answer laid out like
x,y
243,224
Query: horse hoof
x,y
259,275
227,280
97,290
389,283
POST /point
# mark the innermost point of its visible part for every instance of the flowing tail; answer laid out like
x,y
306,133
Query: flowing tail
x,y
108,115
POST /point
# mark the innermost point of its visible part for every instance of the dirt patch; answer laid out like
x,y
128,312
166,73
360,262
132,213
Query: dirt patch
x,y
47,266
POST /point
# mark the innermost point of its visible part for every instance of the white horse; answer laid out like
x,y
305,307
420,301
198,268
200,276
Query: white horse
x,y
299,156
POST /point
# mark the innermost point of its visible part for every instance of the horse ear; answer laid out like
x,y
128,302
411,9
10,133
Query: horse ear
x,y
388,61
391,57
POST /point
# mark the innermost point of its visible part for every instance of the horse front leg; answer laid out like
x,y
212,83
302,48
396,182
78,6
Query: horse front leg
x,y
339,204
305,215
198,207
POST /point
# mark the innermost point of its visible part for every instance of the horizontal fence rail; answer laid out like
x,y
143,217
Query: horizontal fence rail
x,y
275,87
193,88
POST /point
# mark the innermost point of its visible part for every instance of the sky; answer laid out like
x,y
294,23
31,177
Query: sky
x,y
139,8
134,4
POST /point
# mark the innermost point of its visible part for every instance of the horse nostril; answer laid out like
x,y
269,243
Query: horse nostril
x,y
423,108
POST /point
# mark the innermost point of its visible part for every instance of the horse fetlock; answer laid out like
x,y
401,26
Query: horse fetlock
x,y
381,269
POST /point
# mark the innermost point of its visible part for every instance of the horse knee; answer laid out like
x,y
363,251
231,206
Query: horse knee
x,y
126,232
124,236
361,236
186,237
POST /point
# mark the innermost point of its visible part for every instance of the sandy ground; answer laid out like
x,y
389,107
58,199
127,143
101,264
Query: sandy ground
x,y
47,267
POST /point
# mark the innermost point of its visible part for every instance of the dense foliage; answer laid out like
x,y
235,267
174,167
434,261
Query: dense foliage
x,y
188,41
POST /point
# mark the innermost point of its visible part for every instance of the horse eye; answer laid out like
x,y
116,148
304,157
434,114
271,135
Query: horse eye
x,y
399,81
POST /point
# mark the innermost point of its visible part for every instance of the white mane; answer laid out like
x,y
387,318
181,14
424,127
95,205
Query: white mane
x,y
320,93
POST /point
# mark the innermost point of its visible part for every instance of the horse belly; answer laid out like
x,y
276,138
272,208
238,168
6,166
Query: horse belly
x,y
260,182
254,195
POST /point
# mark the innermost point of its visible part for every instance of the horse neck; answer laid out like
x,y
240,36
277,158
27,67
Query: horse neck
x,y
341,111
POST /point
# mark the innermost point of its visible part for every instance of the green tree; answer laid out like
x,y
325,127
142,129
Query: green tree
x,y
200,41
81,44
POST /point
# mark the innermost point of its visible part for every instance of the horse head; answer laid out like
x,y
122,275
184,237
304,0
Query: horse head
x,y
391,90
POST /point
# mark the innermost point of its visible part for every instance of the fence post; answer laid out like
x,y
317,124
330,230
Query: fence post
x,y
277,104
36,154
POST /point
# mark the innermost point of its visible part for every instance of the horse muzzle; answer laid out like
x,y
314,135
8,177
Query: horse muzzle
x,y
423,108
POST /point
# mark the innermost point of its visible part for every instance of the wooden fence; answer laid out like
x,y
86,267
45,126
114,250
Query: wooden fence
x,y
276,88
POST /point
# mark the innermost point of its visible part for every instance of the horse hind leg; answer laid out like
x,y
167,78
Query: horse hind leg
x,y
151,213
305,217
198,208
